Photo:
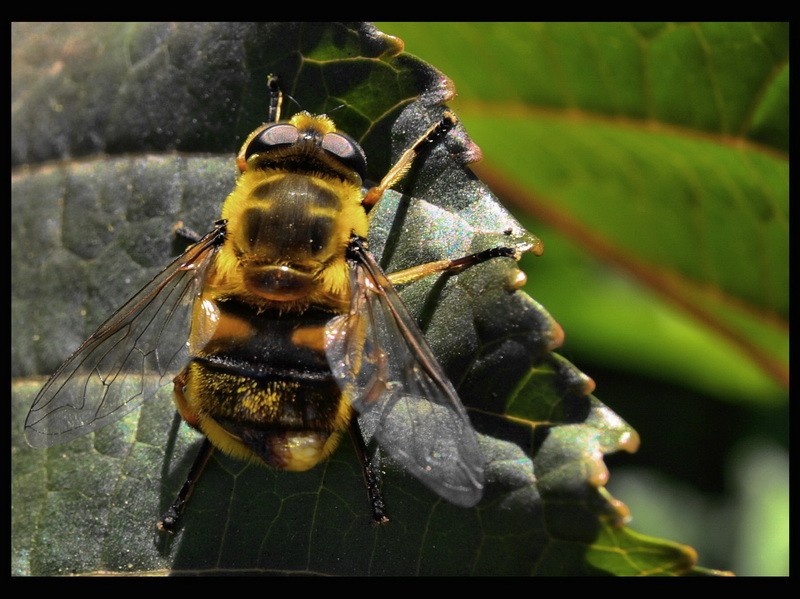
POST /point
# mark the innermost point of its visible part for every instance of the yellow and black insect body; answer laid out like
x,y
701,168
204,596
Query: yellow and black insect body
x,y
278,328
258,382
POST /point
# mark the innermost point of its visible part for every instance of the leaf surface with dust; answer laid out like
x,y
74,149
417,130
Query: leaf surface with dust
x,y
118,132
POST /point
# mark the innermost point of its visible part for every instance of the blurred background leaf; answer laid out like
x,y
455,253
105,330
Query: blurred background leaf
x,y
652,160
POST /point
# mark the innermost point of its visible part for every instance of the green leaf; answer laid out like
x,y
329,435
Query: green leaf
x,y
652,160
118,131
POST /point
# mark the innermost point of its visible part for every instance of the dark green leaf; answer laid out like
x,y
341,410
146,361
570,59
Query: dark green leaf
x,y
119,131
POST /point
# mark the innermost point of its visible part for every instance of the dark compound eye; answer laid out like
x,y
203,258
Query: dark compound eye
x,y
347,150
280,134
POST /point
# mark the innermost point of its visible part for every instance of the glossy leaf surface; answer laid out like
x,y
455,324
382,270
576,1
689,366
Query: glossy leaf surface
x,y
119,131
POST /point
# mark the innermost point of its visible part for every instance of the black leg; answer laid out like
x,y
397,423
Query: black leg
x,y
185,234
275,99
169,521
371,475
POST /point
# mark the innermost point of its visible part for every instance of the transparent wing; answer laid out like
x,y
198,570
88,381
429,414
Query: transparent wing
x,y
133,354
404,400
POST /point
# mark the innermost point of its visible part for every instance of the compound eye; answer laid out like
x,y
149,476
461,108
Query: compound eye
x,y
347,150
279,134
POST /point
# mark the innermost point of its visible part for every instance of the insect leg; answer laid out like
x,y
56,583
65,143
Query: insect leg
x,y
184,237
423,270
275,99
371,475
185,234
400,168
169,521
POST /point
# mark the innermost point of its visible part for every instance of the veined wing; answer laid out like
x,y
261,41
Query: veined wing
x,y
132,355
404,400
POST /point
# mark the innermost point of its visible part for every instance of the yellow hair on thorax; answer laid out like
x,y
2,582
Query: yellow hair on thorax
x,y
333,286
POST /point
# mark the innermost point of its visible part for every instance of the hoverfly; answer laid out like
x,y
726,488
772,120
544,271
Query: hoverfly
x,y
279,331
